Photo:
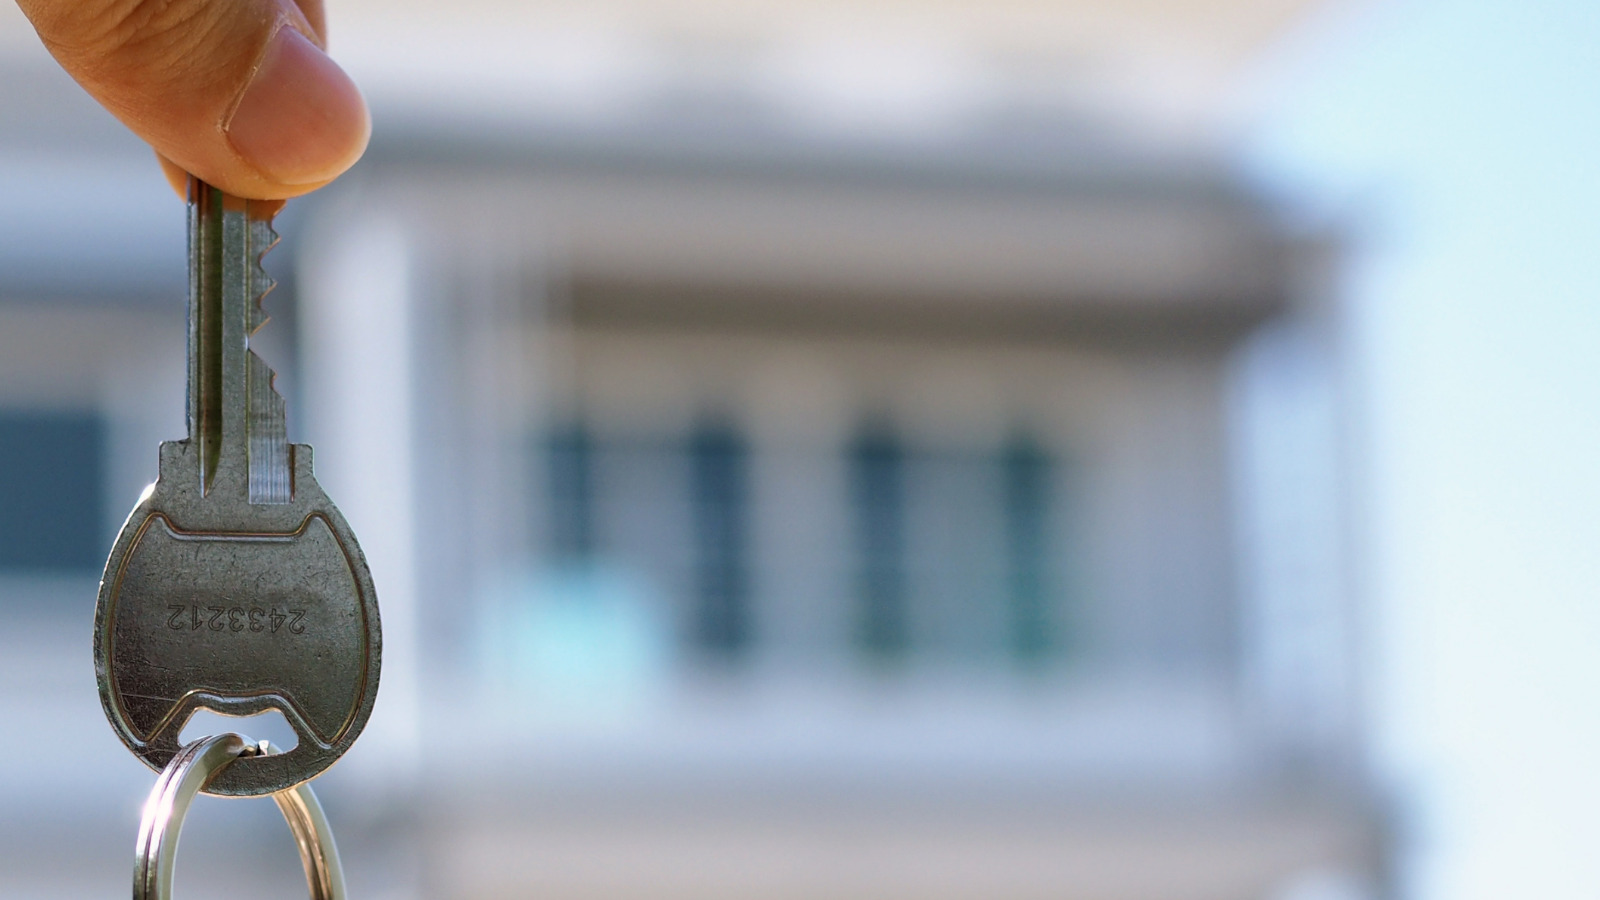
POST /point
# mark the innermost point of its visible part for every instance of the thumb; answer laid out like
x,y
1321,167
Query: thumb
x,y
237,92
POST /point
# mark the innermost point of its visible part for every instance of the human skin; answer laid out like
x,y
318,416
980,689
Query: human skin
x,y
241,93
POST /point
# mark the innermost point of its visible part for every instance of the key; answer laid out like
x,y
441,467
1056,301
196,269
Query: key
x,y
236,585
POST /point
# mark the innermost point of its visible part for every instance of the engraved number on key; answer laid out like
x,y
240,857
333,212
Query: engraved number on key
x,y
187,618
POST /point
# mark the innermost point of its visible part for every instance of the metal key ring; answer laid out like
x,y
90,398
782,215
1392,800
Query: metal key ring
x,y
169,800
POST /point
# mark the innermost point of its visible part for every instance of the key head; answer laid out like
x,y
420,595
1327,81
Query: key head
x,y
210,602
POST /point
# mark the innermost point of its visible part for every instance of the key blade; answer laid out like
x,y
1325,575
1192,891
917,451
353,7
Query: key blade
x,y
268,449
262,239
236,415
268,459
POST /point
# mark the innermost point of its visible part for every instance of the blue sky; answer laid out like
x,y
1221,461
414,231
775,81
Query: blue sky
x,y
1458,144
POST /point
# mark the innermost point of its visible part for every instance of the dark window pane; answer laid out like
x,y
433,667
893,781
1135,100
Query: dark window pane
x,y
570,456
718,468
877,476
1026,475
52,486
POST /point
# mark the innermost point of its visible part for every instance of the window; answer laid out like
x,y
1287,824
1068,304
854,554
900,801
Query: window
x,y
52,492
718,460
877,480
570,458
1025,474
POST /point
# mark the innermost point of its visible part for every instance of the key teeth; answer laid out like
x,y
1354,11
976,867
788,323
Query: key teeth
x,y
270,481
268,438
262,239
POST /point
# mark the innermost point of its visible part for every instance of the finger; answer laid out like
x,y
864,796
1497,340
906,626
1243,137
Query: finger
x,y
237,92
175,175
317,18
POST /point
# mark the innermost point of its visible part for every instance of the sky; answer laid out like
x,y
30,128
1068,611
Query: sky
x,y
1456,144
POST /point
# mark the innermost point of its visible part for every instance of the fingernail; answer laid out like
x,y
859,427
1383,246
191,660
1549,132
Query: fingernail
x,y
301,119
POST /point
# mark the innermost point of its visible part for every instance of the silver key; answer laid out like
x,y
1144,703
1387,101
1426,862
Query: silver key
x,y
236,585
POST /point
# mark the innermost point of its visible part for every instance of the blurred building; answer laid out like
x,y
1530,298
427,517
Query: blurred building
x,y
755,512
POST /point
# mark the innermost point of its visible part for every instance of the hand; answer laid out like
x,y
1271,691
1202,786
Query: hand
x,y
238,92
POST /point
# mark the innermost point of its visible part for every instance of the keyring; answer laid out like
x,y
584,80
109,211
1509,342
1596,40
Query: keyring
x,y
184,777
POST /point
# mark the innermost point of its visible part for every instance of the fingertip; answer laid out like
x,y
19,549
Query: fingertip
x,y
301,121
175,175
